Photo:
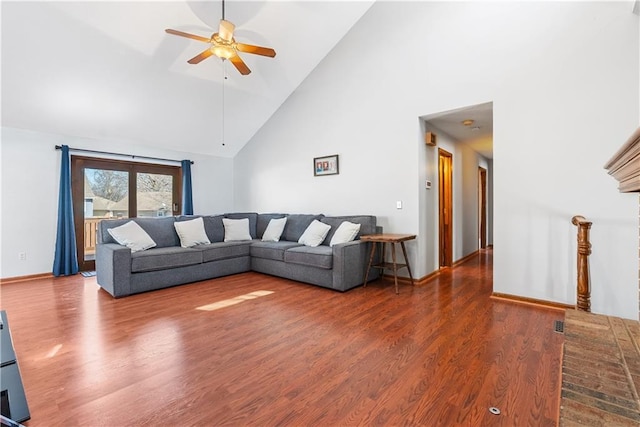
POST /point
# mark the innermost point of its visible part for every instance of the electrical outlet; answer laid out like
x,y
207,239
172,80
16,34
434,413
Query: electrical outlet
x,y
22,256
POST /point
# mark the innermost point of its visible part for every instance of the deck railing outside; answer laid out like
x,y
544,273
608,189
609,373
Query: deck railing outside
x,y
90,235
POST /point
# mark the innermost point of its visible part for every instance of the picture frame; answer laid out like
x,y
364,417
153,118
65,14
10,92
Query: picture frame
x,y
327,165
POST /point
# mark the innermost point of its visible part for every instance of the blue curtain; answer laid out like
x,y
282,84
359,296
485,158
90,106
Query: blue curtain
x,y
187,193
65,261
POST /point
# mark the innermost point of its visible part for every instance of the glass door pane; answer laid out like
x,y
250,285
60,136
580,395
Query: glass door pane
x,y
105,188
154,195
106,195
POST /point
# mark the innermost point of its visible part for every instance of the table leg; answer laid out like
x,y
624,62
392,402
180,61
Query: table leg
x,y
373,252
406,260
395,268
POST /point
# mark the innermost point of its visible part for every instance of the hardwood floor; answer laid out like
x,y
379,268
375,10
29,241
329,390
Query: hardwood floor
x,y
439,354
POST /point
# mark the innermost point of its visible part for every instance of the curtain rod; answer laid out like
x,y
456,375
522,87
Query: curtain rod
x,y
82,150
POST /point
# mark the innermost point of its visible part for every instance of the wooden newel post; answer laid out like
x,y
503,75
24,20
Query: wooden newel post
x,y
584,250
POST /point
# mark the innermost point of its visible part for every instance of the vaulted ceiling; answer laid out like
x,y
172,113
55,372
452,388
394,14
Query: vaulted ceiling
x,y
106,70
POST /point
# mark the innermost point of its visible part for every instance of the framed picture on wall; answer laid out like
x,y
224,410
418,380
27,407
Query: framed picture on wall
x,y
327,165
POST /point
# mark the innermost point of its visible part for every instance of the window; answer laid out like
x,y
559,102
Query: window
x,y
118,189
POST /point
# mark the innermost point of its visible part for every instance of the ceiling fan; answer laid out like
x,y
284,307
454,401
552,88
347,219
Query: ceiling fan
x,y
224,46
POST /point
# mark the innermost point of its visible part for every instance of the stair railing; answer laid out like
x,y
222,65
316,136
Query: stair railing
x,y
584,250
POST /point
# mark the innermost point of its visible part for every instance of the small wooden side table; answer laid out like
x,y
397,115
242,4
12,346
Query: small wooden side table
x,y
392,239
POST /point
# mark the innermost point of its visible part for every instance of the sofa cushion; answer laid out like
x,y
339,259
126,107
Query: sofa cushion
x,y
212,225
223,250
296,225
367,225
315,233
191,232
318,256
164,258
253,219
274,230
132,236
161,230
346,232
263,222
272,250
236,229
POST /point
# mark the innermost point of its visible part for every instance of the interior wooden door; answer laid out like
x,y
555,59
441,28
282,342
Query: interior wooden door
x,y
445,192
482,207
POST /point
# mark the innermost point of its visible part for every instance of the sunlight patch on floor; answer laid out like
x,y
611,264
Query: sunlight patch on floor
x,y
53,351
233,301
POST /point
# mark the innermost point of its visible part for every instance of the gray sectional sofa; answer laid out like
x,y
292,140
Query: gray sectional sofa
x,y
341,267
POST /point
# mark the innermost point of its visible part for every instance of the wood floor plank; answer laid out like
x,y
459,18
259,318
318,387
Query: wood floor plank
x,y
434,355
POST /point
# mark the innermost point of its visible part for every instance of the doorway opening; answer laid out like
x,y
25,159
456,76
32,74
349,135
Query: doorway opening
x,y
456,214
445,192
482,207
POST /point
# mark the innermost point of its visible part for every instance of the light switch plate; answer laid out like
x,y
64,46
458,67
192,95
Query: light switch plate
x,y
399,204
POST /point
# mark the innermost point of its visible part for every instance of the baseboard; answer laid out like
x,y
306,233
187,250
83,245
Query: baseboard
x,y
465,258
417,282
426,279
531,301
401,280
25,278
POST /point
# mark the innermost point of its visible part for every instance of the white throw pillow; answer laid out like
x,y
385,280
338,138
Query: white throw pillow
x,y
132,236
346,232
314,234
274,230
191,232
236,229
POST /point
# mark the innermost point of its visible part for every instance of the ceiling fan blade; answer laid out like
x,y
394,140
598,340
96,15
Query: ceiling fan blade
x,y
256,50
203,55
240,65
226,30
187,35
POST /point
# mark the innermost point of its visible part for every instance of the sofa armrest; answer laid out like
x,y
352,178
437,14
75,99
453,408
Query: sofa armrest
x,y
113,268
350,262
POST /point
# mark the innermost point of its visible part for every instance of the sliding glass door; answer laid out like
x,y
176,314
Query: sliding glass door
x,y
154,194
105,189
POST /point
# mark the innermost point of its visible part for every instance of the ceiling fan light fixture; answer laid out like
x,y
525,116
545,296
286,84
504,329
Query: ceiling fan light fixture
x,y
224,46
222,51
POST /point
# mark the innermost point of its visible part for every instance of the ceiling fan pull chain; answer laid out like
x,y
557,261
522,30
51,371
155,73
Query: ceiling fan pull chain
x,y
222,9
224,78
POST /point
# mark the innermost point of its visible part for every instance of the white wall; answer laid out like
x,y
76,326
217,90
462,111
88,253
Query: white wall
x,y
563,78
490,202
30,180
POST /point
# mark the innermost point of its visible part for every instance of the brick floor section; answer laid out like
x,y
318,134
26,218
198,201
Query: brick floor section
x,y
600,371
